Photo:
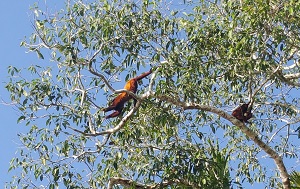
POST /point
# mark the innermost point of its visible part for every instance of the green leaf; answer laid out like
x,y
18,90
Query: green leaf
x,y
40,55
21,118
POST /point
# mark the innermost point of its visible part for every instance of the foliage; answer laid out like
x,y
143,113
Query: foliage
x,y
295,179
214,54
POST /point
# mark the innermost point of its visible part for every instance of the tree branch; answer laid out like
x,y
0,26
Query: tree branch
x,y
297,64
115,129
128,92
248,132
91,69
292,76
287,80
130,113
151,83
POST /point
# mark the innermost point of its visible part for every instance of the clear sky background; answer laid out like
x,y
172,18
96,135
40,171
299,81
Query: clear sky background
x,y
15,24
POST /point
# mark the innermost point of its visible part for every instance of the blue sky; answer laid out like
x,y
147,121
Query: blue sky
x,y
15,25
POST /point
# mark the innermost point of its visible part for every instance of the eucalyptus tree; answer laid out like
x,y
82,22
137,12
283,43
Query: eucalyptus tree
x,y
206,58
